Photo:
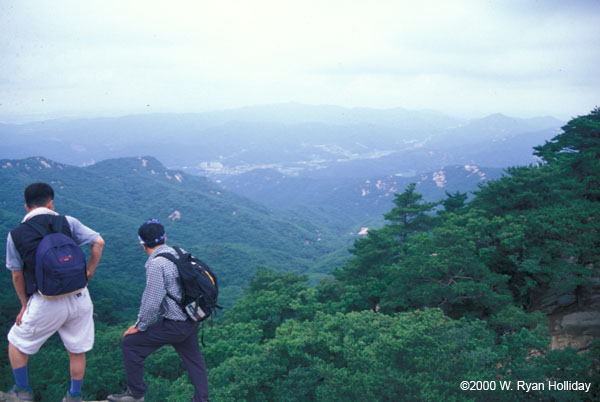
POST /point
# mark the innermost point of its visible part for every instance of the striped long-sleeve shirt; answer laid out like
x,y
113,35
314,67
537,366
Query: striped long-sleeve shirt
x,y
161,277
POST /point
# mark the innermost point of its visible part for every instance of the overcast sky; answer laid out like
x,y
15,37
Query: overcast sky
x,y
466,58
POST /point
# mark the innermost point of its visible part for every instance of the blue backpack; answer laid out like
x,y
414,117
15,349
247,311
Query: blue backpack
x,y
60,265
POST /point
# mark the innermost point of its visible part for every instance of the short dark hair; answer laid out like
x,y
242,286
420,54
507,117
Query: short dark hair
x,y
38,194
152,233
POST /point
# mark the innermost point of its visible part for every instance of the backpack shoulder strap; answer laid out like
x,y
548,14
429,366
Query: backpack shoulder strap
x,y
174,260
37,227
171,257
168,256
180,252
57,225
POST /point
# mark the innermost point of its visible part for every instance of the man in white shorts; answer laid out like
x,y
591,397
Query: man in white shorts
x,y
41,317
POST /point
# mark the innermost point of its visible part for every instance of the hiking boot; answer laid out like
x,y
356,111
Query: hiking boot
x,y
72,398
24,394
126,396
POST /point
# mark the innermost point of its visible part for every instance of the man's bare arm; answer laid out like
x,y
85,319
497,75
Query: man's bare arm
x,y
19,284
95,254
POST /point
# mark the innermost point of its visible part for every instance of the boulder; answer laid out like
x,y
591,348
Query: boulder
x,y
582,323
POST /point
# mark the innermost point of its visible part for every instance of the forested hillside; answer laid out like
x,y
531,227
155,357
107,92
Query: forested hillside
x,y
431,300
231,233
443,293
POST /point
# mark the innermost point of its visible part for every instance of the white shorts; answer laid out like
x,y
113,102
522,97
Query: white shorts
x,y
71,316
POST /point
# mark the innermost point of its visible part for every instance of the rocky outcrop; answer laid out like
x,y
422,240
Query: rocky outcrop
x,y
574,317
582,323
6,398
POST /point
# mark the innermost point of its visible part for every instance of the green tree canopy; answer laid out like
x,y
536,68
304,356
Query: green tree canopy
x,y
576,151
410,214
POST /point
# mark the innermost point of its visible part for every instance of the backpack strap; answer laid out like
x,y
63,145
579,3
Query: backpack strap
x,y
58,223
56,226
173,259
179,251
168,256
37,227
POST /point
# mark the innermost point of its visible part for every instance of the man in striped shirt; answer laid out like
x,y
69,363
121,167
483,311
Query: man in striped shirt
x,y
172,327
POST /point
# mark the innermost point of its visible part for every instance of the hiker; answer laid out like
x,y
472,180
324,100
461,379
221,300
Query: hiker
x,y
41,316
173,326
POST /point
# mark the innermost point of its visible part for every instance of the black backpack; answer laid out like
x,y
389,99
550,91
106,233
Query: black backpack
x,y
199,284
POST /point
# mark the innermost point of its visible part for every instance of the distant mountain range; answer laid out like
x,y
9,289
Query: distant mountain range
x,y
294,139
360,200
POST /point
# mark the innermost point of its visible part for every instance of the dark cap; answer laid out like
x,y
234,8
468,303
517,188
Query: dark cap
x,y
152,233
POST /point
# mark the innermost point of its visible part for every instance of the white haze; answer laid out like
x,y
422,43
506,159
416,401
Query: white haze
x,y
467,58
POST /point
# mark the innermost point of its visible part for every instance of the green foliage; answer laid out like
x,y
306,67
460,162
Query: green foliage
x,y
512,318
538,240
539,224
526,357
524,188
414,356
105,373
367,274
454,202
423,303
410,214
180,390
370,356
576,152
273,297
443,270
227,340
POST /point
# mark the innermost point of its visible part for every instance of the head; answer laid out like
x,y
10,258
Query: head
x,y
39,195
152,234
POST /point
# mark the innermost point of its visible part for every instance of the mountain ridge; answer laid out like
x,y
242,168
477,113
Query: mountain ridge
x,y
296,138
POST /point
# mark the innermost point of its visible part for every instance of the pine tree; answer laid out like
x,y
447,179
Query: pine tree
x,y
410,215
576,151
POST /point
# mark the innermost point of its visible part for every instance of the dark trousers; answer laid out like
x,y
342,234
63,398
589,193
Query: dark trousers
x,y
183,335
